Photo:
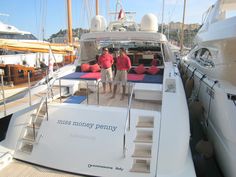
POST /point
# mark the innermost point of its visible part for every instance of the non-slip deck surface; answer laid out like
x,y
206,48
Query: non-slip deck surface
x,y
22,169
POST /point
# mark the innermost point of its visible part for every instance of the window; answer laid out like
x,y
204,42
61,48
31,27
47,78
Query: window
x,y
204,57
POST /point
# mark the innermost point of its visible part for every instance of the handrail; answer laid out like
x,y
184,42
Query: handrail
x,y
5,100
100,81
43,100
54,58
87,92
5,154
29,86
3,96
98,98
127,123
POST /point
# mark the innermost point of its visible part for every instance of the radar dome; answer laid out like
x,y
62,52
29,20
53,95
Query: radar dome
x,y
149,23
98,23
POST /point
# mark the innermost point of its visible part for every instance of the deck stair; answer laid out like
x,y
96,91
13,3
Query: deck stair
x,y
30,132
5,158
145,122
141,166
151,92
143,136
143,145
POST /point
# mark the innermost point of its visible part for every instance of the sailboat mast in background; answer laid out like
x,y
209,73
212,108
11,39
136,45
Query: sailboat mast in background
x,y
182,31
162,20
97,7
69,21
70,34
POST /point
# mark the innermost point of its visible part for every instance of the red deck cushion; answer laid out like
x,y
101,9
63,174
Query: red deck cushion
x,y
95,68
140,69
153,70
135,77
85,67
91,76
154,62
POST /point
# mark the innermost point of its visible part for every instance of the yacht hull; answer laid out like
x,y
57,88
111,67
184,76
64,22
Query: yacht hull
x,y
217,118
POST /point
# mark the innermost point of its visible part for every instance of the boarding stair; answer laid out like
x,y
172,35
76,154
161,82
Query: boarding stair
x,y
143,145
29,134
5,157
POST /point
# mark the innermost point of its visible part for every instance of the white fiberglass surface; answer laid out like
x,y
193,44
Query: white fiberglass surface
x,y
89,140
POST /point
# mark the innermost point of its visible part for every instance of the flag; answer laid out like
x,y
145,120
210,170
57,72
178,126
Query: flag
x,y
121,14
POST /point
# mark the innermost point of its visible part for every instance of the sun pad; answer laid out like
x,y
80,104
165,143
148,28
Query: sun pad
x,y
75,99
153,79
135,77
75,75
91,76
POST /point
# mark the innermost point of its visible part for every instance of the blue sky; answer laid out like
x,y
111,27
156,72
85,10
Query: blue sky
x,y
32,15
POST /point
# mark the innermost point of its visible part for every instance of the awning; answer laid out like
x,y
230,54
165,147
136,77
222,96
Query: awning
x,y
35,46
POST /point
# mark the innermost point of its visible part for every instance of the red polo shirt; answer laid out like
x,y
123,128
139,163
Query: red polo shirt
x,y
123,63
105,60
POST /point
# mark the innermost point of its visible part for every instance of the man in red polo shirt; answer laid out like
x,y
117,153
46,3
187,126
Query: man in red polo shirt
x,y
123,65
105,61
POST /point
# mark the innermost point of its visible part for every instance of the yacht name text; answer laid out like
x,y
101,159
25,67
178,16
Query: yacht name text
x,y
88,125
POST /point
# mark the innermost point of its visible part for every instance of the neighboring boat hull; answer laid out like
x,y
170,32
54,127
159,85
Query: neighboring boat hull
x,y
218,118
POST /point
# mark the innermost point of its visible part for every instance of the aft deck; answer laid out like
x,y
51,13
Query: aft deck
x,y
106,100
125,152
23,169
136,149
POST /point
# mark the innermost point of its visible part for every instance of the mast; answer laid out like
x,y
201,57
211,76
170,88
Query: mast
x,y
97,7
182,31
162,20
69,20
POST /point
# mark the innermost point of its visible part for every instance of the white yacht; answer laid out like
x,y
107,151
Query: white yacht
x,y
211,63
88,133
9,32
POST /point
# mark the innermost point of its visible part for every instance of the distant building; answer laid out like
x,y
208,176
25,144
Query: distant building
x,y
194,26
173,26
64,39
61,36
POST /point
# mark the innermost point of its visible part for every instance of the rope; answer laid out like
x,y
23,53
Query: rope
x,y
234,102
209,105
193,73
186,69
201,79
36,17
87,5
173,10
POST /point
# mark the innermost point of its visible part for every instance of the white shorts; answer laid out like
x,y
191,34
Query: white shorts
x,y
121,76
106,75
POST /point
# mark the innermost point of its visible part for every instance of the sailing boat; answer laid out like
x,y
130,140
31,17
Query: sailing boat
x,y
146,134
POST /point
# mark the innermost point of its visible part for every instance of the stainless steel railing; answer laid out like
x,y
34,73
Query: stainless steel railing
x,y
44,100
5,100
128,115
3,96
128,120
